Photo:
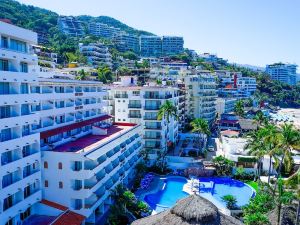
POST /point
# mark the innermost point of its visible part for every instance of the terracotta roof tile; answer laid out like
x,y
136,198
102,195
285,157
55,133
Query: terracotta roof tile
x,y
54,205
69,218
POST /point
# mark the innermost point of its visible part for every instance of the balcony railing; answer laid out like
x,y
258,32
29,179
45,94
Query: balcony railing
x,y
152,107
121,95
134,115
135,106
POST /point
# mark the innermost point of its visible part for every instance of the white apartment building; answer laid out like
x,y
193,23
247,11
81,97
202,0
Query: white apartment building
x,y
55,137
71,26
81,174
225,105
200,95
46,57
97,54
140,105
282,72
103,30
246,85
20,172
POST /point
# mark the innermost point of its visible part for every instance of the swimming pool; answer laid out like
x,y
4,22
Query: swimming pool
x,y
168,195
212,188
217,187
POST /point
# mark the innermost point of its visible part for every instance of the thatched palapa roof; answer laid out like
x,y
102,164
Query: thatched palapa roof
x,y
191,210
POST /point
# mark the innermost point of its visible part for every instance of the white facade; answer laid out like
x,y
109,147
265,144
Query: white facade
x,y
81,176
69,25
285,73
140,105
96,53
20,172
103,30
225,105
246,85
201,95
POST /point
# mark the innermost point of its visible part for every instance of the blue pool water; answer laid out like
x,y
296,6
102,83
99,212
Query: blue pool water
x,y
226,186
212,188
167,197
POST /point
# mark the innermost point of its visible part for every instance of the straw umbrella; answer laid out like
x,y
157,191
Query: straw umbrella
x,y
193,210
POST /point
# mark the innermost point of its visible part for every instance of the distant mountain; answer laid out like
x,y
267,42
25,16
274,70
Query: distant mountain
x,y
43,20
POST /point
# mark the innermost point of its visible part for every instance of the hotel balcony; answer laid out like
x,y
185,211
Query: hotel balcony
x,y
156,96
152,107
121,95
134,116
134,106
150,118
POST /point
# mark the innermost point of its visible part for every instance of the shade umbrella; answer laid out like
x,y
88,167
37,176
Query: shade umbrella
x,y
193,210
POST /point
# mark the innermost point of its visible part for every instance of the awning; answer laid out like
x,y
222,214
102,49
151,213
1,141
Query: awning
x,y
73,126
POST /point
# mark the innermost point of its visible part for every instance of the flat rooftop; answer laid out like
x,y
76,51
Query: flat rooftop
x,y
89,142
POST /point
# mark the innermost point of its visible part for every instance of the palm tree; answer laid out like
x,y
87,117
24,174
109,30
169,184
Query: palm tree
x,y
290,137
260,118
104,74
200,126
271,139
239,108
167,111
255,145
81,75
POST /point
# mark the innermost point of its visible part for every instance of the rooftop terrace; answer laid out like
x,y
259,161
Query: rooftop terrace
x,y
89,142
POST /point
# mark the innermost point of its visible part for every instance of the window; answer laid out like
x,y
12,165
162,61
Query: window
x,y
24,88
23,67
18,45
60,185
4,42
46,183
3,65
60,166
4,112
46,165
10,222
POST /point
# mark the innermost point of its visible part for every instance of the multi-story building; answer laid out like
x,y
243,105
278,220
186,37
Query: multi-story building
x,y
234,85
126,42
201,95
46,57
225,105
20,168
140,105
103,30
172,45
150,46
282,72
246,85
69,25
55,137
97,54
81,174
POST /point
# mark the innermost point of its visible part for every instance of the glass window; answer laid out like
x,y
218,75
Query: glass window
x,y
4,42
24,67
4,65
18,45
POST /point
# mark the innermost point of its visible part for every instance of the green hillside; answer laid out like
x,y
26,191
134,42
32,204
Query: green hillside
x,y
43,20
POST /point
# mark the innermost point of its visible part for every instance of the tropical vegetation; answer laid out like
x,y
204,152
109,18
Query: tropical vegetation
x,y
125,206
166,111
223,166
201,128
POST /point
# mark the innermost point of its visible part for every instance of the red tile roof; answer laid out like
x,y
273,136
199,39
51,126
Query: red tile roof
x,y
73,126
69,218
54,205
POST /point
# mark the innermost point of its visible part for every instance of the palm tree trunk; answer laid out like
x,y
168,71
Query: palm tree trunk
x,y
269,173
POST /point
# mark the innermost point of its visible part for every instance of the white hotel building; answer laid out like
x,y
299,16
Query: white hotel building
x,y
20,169
201,95
60,153
140,105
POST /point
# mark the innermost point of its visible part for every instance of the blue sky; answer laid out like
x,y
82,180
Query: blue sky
x,y
256,32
